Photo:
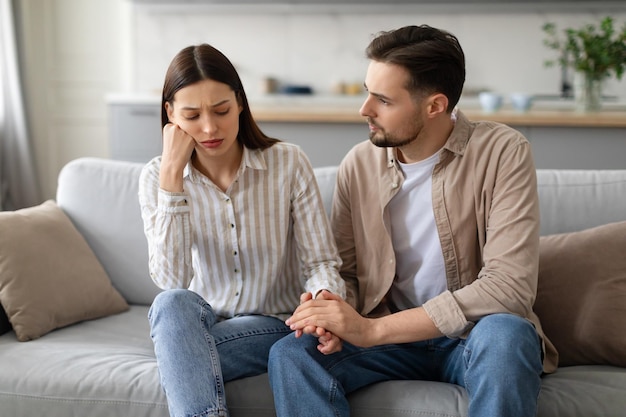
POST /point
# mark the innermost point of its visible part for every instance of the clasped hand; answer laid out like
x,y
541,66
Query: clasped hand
x,y
331,319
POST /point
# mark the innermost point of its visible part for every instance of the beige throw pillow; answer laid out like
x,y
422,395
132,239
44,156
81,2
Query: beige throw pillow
x,y
49,276
581,296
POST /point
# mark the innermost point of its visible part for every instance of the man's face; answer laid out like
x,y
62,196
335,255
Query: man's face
x,y
393,115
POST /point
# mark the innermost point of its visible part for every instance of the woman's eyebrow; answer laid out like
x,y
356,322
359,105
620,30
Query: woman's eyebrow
x,y
219,103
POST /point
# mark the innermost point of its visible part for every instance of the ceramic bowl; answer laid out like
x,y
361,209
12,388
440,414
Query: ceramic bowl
x,y
521,101
490,102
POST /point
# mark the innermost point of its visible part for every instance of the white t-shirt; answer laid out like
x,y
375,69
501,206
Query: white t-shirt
x,y
420,267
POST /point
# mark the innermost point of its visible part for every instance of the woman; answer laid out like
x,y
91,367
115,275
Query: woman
x,y
236,232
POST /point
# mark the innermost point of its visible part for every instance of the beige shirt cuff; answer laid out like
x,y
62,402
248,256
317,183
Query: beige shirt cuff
x,y
445,312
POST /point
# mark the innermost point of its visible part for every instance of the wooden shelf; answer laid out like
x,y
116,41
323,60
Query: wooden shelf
x,y
561,118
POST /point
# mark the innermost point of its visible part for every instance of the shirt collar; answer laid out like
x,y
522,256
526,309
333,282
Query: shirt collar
x,y
252,158
459,138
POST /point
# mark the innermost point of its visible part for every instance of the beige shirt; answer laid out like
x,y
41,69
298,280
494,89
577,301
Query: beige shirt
x,y
250,250
486,209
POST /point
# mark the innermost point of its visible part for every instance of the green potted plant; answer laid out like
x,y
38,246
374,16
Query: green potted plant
x,y
594,53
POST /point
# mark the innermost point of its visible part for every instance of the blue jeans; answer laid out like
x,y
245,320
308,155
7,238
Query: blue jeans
x,y
499,365
197,353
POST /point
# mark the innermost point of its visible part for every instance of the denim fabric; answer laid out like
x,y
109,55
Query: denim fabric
x,y
197,353
499,365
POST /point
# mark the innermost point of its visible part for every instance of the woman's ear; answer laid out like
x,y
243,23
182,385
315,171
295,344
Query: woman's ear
x,y
169,110
239,101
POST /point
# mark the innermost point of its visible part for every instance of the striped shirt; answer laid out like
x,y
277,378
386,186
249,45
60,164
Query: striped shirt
x,y
250,250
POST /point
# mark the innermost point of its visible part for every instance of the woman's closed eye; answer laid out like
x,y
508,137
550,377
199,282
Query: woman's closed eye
x,y
222,111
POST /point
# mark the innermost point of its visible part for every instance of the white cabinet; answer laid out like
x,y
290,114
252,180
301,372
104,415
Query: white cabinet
x,y
135,135
324,143
558,147
577,147
135,131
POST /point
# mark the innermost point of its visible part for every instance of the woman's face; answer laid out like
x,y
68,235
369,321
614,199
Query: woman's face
x,y
207,111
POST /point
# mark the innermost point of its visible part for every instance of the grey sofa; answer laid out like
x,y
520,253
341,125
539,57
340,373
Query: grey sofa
x,y
106,367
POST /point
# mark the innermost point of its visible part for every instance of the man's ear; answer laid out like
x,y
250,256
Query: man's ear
x,y
437,104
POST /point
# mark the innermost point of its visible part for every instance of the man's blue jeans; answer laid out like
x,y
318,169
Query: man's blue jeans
x,y
499,365
196,353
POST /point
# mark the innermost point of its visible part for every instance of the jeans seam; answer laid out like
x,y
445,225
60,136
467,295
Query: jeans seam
x,y
467,353
333,395
215,361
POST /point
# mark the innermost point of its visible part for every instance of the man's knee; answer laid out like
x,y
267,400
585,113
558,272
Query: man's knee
x,y
505,325
506,333
291,348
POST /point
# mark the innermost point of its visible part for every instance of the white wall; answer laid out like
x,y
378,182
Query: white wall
x,y
73,52
76,51
504,52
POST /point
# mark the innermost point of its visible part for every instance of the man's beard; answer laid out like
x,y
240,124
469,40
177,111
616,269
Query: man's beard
x,y
385,140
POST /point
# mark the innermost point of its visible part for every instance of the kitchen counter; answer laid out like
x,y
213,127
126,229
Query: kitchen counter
x,y
326,127
345,109
564,118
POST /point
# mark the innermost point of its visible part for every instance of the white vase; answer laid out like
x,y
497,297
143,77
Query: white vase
x,y
587,92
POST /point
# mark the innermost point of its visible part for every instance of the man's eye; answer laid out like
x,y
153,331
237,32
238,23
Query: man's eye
x,y
382,100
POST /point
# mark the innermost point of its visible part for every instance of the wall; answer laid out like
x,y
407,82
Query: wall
x,y
72,53
504,51
77,51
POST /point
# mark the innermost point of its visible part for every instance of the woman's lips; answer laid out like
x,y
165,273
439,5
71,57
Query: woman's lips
x,y
213,143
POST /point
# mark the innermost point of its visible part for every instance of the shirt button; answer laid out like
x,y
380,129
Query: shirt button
x,y
232,225
390,261
394,185
236,270
235,252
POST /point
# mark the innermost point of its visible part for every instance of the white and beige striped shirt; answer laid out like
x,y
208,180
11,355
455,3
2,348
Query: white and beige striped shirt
x,y
250,250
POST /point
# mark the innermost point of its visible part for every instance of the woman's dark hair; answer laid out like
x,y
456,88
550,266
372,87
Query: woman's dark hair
x,y
201,62
433,58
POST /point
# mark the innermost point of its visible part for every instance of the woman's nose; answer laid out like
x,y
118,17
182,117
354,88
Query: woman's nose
x,y
209,125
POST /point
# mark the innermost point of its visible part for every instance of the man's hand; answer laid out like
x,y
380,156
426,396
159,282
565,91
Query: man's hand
x,y
328,342
331,313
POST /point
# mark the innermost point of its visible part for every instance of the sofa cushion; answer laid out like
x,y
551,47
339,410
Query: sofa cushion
x,y
49,277
581,295
100,196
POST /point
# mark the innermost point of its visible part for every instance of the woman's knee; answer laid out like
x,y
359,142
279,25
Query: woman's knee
x,y
176,302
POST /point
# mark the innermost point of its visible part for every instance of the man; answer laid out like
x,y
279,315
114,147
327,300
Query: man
x,y
437,222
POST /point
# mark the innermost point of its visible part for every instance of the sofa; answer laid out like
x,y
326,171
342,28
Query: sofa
x,y
100,363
